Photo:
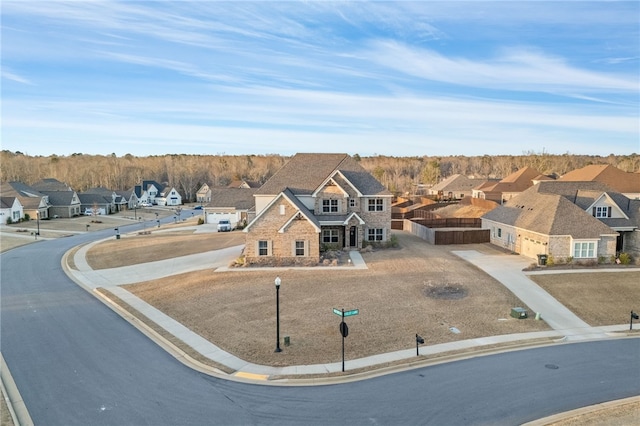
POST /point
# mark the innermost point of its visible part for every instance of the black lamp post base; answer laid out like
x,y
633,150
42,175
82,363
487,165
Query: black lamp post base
x,y
278,350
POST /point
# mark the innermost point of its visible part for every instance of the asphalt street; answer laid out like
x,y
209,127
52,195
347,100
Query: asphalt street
x,y
77,362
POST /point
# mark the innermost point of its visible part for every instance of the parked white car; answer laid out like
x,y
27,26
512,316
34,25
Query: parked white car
x,y
224,225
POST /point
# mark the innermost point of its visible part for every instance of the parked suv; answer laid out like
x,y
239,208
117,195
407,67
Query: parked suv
x,y
224,225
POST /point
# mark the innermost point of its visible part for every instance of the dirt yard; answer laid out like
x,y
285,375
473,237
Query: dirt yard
x,y
417,288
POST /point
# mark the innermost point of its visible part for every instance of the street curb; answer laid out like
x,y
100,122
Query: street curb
x,y
17,408
581,411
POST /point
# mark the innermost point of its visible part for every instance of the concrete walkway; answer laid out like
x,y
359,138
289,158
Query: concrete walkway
x,y
506,268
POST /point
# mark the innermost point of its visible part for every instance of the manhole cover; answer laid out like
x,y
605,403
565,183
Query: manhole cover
x,y
450,292
552,366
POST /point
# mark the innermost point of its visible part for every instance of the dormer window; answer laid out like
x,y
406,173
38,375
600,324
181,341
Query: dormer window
x,y
352,202
329,206
603,211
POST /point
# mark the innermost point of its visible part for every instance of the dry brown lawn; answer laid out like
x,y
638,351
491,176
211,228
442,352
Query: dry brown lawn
x,y
598,298
132,249
415,289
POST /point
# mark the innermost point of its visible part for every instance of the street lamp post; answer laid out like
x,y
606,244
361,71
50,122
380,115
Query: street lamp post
x,y
278,281
157,220
38,222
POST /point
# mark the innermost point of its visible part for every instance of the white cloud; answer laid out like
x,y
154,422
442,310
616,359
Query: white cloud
x,y
515,69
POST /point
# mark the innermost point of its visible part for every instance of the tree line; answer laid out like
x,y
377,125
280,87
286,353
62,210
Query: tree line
x,y
187,173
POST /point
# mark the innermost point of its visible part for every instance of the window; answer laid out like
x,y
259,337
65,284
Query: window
x,y
602,211
352,202
375,234
263,248
329,206
329,235
584,250
499,232
282,209
299,248
376,205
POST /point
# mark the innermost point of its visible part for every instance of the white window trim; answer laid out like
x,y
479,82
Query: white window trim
x,y
578,254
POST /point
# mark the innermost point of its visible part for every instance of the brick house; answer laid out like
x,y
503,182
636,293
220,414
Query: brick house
x,y
579,220
316,201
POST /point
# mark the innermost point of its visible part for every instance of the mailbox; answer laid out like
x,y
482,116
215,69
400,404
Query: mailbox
x,y
519,313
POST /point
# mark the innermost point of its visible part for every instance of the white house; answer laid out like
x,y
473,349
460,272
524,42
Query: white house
x,y
10,208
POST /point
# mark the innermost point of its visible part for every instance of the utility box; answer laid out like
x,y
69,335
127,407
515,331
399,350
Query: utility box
x,y
519,313
542,259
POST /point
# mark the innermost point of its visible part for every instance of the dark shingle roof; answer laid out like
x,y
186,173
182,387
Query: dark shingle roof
x,y
455,182
51,184
238,198
60,198
304,173
549,214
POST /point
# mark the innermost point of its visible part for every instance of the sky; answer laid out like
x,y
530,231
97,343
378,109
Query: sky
x,y
401,78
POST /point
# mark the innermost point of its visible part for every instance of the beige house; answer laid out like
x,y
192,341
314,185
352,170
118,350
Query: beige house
x,y
316,202
578,220
455,187
510,186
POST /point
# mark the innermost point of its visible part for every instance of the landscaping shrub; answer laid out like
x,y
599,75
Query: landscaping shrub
x,y
200,221
9,221
551,261
625,258
27,217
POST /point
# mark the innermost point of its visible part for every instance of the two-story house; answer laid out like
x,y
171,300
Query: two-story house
x,y
316,201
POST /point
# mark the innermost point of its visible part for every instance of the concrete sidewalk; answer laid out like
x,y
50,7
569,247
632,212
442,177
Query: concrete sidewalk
x,y
505,268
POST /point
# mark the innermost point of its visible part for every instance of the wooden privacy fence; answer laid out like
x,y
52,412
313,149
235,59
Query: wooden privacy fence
x,y
450,222
443,236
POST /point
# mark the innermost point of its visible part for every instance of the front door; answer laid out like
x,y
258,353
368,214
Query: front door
x,y
353,236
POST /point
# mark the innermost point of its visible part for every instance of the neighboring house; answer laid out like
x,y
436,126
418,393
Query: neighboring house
x,y
63,203
626,183
124,200
108,194
246,184
168,196
510,186
147,191
234,204
10,209
204,194
34,203
95,204
579,220
51,184
455,187
316,200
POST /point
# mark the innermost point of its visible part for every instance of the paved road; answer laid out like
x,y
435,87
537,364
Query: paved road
x,y
77,362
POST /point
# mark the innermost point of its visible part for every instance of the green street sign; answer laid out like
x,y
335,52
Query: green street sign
x,y
337,312
351,312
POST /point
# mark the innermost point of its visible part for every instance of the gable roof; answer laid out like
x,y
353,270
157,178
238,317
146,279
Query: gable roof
x,y
94,199
99,190
455,182
515,182
606,173
305,172
300,207
238,198
548,214
7,202
60,198
51,184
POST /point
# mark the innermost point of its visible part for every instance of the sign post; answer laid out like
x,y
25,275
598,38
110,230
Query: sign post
x,y
344,328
